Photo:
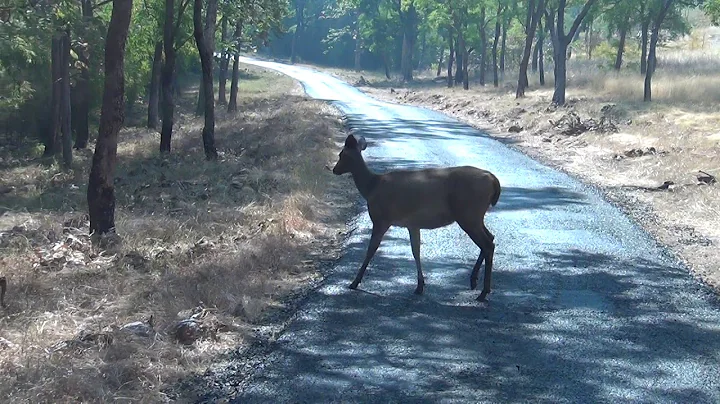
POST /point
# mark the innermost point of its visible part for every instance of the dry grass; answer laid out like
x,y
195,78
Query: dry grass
x,y
226,240
681,124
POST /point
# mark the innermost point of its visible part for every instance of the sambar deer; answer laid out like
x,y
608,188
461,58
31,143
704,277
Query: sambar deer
x,y
424,199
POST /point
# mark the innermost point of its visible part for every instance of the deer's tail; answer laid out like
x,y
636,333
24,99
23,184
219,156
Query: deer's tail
x,y
496,194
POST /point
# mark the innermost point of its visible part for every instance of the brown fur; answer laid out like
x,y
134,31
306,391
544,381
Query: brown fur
x,y
424,199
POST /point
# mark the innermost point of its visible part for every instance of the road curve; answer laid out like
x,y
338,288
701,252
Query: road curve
x,y
585,307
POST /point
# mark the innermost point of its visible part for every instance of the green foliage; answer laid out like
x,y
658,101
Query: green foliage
x,y
712,9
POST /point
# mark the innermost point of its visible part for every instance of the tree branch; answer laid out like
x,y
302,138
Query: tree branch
x,y
102,3
579,18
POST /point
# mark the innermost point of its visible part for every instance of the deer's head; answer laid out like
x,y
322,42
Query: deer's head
x,y
350,155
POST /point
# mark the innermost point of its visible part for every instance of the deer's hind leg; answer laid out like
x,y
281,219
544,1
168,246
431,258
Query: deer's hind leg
x,y
378,231
478,263
485,240
415,243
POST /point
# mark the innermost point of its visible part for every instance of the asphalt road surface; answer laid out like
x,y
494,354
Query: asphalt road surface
x,y
585,306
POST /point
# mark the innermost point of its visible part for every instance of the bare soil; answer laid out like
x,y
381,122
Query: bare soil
x,y
646,157
207,253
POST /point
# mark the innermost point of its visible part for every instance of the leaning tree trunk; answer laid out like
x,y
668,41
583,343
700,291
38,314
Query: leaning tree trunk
x,y
101,189
81,109
168,79
232,105
224,64
65,112
154,93
621,46
205,39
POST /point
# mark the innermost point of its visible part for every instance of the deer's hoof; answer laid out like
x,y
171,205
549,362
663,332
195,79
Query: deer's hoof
x,y
483,296
418,291
353,285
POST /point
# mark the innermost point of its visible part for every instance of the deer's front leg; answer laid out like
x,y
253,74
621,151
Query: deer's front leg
x,y
378,231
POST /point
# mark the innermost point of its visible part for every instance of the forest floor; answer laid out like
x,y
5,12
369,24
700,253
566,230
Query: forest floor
x,y
647,158
210,256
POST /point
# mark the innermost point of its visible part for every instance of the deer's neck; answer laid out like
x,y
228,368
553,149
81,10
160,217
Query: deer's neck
x,y
365,180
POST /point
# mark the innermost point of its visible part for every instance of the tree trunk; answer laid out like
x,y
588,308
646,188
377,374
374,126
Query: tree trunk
x,y
539,45
386,64
503,48
224,63
101,189
652,58
65,111
440,60
533,17
423,46
535,54
358,44
299,25
451,59
458,60
560,73
466,57
81,109
496,39
232,105
52,142
205,40
154,96
621,47
483,46
200,105
168,77
644,45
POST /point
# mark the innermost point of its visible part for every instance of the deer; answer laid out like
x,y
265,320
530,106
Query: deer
x,y
427,198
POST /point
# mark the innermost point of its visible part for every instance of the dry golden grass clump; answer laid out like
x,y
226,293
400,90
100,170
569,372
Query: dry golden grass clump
x,y
204,249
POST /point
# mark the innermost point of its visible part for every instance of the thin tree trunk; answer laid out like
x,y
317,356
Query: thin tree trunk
x,y
440,60
451,59
483,46
458,60
299,25
168,76
232,105
224,63
200,105
154,96
503,48
644,45
466,58
52,143
65,109
652,58
621,47
101,189
539,45
496,39
386,64
358,43
205,40
409,21
532,19
81,109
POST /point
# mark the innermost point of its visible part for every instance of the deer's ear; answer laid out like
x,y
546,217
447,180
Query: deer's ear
x,y
351,142
362,143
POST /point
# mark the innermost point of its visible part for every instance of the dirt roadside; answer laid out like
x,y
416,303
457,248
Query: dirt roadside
x,y
649,160
210,260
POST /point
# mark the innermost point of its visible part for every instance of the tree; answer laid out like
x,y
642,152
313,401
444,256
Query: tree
x,y
205,40
408,20
561,41
652,59
531,20
299,25
498,22
154,91
101,188
232,105
81,108
171,27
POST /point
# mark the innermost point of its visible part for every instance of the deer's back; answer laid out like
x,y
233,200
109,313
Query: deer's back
x,y
430,198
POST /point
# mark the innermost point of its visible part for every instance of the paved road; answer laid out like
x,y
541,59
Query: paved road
x,y
585,306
